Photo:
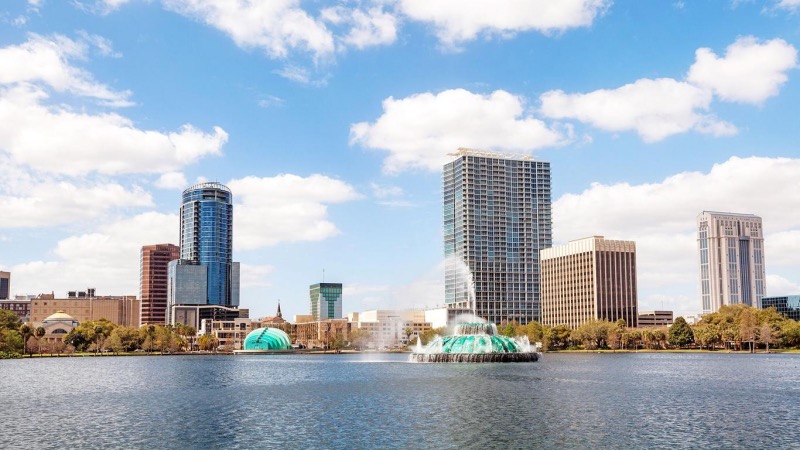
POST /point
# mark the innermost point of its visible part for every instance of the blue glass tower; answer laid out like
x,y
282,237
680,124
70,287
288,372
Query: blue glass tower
x,y
207,239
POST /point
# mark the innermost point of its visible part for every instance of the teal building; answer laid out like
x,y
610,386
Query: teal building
x,y
326,300
267,339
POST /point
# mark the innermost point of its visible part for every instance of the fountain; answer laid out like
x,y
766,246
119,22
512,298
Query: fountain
x,y
476,342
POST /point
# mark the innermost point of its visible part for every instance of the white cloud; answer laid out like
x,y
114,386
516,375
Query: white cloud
x,y
300,75
790,5
172,180
254,275
655,109
750,72
777,285
658,108
384,191
59,140
53,203
47,60
661,218
457,21
368,28
106,259
419,131
276,26
285,208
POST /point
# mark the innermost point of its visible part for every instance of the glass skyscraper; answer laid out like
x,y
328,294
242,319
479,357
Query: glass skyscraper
x,y
731,248
497,218
207,240
326,300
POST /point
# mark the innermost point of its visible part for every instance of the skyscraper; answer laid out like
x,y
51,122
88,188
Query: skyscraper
x,y
205,278
589,279
497,218
207,238
153,264
731,248
326,300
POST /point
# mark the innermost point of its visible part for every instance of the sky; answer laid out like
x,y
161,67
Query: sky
x,y
330,122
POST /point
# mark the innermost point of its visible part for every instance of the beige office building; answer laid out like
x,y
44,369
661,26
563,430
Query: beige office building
x,y
731,248
121,310
589,279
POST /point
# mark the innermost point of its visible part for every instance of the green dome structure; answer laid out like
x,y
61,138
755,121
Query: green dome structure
x,y
267,339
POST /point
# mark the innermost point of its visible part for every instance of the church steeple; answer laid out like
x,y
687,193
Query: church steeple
x,y
279,311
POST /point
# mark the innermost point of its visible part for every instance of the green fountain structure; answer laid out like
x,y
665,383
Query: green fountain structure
x,y
475,342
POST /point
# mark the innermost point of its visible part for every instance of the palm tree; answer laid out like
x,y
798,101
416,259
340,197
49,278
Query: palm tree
x,y
25,331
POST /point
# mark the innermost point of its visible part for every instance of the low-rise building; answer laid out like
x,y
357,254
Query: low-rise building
x,y
787,305
84,305
20,305
655,318
320,333
229,333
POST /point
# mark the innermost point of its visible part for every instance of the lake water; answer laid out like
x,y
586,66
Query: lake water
x,y
632,400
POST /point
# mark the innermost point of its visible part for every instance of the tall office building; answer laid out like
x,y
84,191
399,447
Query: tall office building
x,y
731,250
589,279
153,263
5,285
205,277
326,300
497,218
207,238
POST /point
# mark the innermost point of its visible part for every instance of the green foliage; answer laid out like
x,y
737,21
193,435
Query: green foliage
x,y
556,337
11,342
680,333
9,320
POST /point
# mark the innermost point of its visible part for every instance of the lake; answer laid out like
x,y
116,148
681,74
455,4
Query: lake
x,y
630,400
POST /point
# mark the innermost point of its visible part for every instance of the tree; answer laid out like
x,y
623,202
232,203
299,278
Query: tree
x,y
790,333
408,332
32,344
114,342
9,320
338,341
766,335
680,333
534,331
359,338
208,342
557,337
25,331
747,328
11,343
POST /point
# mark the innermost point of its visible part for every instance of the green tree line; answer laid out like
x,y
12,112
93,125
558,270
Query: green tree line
x,y
735,327
98,336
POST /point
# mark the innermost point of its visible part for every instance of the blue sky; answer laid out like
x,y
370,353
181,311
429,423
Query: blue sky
x,y
330,122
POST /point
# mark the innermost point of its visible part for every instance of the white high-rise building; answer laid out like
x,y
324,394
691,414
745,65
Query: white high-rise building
x,y
731,250
497,218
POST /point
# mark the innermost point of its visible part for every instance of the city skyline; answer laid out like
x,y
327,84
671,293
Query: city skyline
x,y
332,139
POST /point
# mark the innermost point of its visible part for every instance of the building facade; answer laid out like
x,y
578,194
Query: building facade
x,y
206,253
787,305
20,305
589,279
207,239
731,248
5,285
153,263
655,319
121,310
497,219
326,300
